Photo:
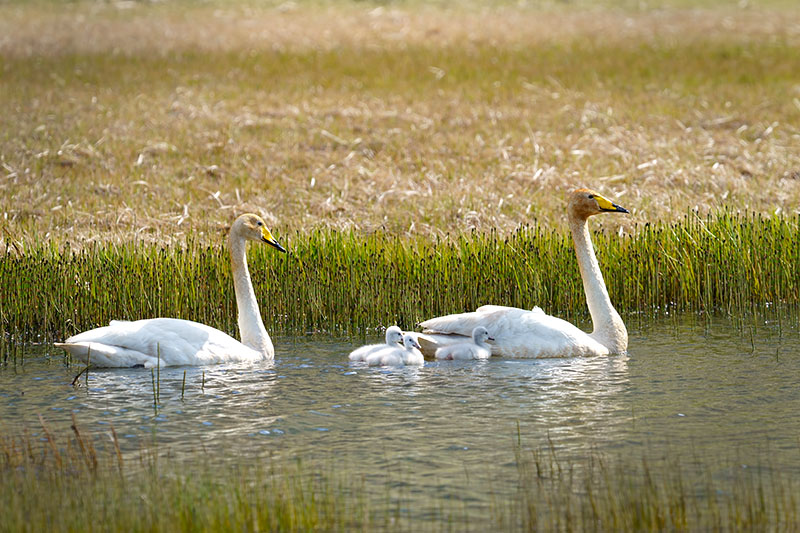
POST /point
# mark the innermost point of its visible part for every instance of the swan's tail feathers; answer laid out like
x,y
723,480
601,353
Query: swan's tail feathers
x,y
430,342
104,355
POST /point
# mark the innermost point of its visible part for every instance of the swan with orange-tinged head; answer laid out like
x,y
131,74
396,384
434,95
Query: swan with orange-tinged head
x,y
522,333
172,341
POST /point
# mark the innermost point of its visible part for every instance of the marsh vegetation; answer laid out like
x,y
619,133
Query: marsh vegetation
x,y
347,283
415,159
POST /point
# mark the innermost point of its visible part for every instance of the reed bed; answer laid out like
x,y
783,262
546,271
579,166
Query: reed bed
x,y
51,482
80,482
675,492
349,283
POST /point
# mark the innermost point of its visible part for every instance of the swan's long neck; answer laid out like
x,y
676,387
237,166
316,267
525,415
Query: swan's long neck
x,y
251,327
609,329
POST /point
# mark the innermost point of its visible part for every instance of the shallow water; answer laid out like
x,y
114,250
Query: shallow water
x,y
448,430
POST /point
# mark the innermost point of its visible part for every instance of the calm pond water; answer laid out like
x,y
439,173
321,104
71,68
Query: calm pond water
x,y
447,430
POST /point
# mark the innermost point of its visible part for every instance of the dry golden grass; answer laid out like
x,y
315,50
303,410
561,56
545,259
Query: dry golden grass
x,y
124,120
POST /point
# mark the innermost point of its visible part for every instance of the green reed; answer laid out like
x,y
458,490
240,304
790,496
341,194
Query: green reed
x,y
67,482
675,491
346,282
54,482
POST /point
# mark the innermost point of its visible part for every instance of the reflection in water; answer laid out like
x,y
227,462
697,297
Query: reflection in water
x,y
448,429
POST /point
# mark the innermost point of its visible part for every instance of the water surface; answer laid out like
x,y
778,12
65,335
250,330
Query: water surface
x,y
448,430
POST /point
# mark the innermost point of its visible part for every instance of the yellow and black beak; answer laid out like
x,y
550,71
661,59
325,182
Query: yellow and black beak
x,y
607,206
267,237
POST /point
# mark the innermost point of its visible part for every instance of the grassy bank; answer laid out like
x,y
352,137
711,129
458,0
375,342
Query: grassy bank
x,y
80,482
345,282
159,120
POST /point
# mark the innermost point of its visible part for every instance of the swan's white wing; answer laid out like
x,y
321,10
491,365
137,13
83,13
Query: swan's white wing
x,y
516,332
104,355
175,341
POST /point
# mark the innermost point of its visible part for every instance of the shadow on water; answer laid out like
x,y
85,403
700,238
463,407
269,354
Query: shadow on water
x,y
701,390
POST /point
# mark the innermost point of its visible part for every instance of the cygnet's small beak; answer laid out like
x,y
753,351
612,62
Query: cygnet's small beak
x,y
490,339
267,237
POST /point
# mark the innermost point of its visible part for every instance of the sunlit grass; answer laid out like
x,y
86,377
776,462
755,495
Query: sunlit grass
x,y
345,282
79,481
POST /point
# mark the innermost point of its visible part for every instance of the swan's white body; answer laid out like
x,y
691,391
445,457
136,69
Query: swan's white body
x,y
530,334
408,354
171,341
477,349
394,336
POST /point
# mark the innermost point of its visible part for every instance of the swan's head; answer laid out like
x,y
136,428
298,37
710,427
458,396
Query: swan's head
x,y
253,228
481,335
584,203
394,335
410,342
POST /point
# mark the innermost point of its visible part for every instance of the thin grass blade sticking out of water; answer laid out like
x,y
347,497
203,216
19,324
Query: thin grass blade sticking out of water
x,y
87,448
85,369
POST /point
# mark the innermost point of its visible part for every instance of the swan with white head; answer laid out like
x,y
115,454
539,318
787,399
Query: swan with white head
x,y
171,341
394,336
408,354
529,334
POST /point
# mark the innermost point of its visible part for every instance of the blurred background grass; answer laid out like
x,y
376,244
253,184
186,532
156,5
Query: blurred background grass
x,y
143,120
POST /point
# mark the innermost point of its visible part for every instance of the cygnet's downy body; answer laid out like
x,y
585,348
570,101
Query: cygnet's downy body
x,y
394,336
408,354
477,349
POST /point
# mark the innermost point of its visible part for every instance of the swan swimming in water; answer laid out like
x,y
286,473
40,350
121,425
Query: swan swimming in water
x,y
183,342
528,334
477,349
394,336
408,354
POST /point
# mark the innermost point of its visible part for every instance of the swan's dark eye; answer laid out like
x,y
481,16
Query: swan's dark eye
x,y
260,223
590,196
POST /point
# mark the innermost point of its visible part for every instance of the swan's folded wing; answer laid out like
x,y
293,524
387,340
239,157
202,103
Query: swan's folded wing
x,y
516,332
495,318
174,341
104,355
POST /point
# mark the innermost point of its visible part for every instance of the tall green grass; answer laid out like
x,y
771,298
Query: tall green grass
x,y
349,283
674,492
81,482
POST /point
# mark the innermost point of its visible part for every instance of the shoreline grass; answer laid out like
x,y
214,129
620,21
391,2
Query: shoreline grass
x,y
64,482
349,283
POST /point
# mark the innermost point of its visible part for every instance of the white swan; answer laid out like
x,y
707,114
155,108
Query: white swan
x,y
183,342
394,336
527,334
408,354
477,349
